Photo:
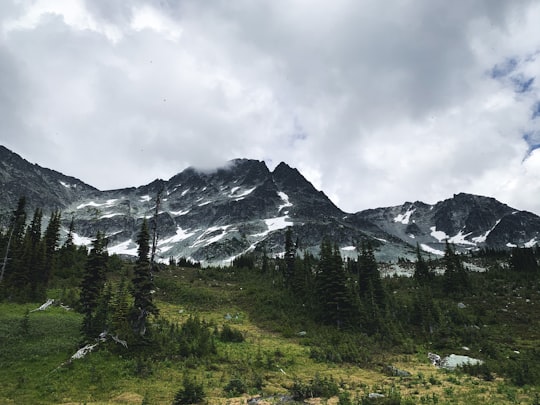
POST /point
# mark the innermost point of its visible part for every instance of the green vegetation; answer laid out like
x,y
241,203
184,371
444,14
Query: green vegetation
x,y
285,329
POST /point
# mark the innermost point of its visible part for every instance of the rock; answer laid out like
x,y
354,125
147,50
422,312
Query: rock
x,y
455,360
435,359
375,395
396,372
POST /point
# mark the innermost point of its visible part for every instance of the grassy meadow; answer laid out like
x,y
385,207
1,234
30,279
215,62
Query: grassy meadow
x,y
275,359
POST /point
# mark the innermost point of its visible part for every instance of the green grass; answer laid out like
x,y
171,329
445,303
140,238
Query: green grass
x,y
273,358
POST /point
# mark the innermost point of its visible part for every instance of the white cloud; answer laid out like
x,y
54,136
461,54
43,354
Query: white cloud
x,y
374,107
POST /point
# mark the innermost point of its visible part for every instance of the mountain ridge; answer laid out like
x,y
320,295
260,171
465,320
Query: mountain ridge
x,y
215,215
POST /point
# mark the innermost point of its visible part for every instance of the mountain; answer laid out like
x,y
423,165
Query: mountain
x,y
43,187
213,216
465,220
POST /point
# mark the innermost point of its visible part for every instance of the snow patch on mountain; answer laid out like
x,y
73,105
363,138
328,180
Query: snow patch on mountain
x,y
286,201
460,239
431,250
482,238
439,235
531,243
127,247
81,240
145,198
275,224
66,185
180,235
113,214
108,203
240,195
179,213
404,218
216,233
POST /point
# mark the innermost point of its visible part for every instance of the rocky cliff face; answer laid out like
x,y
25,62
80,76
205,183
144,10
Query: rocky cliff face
x,y
214,216
42,187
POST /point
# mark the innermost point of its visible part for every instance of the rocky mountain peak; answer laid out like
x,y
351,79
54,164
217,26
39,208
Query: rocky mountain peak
x,y
215,215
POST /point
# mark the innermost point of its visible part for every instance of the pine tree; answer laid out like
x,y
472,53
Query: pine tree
x,y
455,279
33,260
523,260
265,268
143,283
92,285
290,254
70,259
120,311
335,300
424,313
51,240
370,289
15,235
422,274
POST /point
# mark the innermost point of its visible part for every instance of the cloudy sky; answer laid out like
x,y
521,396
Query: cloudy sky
x,y
375,102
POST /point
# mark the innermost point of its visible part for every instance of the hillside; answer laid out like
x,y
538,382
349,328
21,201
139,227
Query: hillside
x,y
278,354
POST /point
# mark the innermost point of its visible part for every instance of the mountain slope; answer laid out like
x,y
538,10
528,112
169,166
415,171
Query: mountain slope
x,y
215,215
42,187
465,220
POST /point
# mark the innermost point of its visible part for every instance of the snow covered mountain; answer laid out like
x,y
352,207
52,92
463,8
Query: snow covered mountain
x,y
466,221
214,216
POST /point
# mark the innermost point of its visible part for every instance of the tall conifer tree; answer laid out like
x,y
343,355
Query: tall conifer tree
x,y
15,236
335,300
92,285
422,273
143,283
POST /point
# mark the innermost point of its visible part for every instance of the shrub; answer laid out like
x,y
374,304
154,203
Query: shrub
x,y
235,387
317,387
191,393
229,334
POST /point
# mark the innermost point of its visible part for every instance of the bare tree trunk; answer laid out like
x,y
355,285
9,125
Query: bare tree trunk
x,y
4,263
155,229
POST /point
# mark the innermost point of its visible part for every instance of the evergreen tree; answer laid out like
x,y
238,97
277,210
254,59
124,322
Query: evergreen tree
x,y
265,267
455,279
92,285
523,260
120,311
143,283
422,274
425,314
335,300
290,254
370,289
101,321
15,236
51,240
70,259
32,260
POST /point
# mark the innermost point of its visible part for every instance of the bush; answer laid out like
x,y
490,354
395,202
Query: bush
x,y
192,393
232,335
235,387
317,387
